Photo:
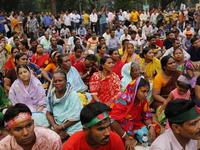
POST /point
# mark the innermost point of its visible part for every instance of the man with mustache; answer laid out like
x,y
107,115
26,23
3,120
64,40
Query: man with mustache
x,y
184,121
96,134
22,134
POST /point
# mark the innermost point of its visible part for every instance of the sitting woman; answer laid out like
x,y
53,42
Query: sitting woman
x,y
63,107
164,82
131,117
78,55
51,67
130,72
184,66
104,84
101,51
28,90
150,64
40,58
11,61
11,75
24,48
118,63
129,54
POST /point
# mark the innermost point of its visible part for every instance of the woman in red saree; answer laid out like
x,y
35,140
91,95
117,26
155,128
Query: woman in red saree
x,y
40,58
118,63
78,55
10,63
104,84
131,116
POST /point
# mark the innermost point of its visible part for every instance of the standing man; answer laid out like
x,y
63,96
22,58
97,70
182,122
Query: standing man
x,y
86,20
93,20
96,132
184,131
47,20
134,16
2,21
22,134
67,20
76,20
102,20
32,26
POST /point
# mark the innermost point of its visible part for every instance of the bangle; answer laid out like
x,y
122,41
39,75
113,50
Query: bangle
x,y
54,125
123,135
63,126
150,125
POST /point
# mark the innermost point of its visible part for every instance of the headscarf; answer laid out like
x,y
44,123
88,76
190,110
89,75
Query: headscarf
x,y
126,70
33,96
126,99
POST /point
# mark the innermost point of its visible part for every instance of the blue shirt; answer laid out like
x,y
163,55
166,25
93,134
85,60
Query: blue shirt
x,y
2,28
47,21
194,54
102,19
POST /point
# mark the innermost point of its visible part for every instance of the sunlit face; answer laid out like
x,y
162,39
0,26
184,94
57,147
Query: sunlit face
x,y
39,49
23,132
115,55
22,60
108,66
130,49
15,52
135,72
142,93
66,64
3,40
78,53
190,129
178,55
59,82
149,55
171,65
102,50
99,133
24,74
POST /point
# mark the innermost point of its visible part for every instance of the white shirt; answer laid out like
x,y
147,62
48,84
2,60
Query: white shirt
x,y
67,20
93,17
153,18
142,39
143,17
76,18
64,31
147,30
171,50
168,141
123,37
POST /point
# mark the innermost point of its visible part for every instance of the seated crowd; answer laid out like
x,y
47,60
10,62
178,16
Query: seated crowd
x,y
101,92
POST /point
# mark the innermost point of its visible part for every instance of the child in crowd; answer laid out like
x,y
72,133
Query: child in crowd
x,y
182,91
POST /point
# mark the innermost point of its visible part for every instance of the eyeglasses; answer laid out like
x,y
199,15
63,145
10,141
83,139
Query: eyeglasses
x,y
189,35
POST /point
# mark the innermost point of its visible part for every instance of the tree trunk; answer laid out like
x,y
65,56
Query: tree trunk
x,y
91,4
164,3
53,7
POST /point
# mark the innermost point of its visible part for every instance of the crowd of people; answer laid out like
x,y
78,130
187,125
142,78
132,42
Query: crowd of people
x,y
76,77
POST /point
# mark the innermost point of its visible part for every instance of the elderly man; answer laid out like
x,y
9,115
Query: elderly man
x,y
184,120
22,134
96,132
